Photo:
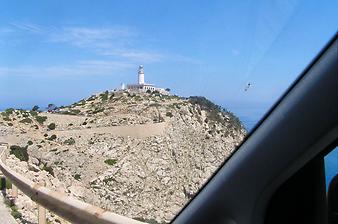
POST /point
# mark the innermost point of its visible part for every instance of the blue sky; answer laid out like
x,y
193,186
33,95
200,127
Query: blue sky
x,y
62,51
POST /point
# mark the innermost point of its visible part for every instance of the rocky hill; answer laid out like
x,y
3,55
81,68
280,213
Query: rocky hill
x,y
142,155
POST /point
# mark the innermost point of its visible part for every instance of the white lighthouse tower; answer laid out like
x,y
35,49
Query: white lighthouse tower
x,y
140,75
141,86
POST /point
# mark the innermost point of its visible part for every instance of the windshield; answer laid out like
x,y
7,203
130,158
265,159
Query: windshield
x,y
132,106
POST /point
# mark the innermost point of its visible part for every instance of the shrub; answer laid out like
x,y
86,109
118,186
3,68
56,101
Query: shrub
x,y
71,112
91,98
104,96
155,105
35,108
98,110
69,141
52,138
15,213
48,169
35,126
19,152
33,113
169,114
6,119
26,121
40,119
214,111
110,161
107,180
52,107
51,126
9,111
58,163
75,111
30,143
77,177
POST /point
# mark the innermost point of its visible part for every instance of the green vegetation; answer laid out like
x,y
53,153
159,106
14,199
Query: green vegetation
x,y
110,162
112,96
104,96
215,112
69,141
91,98
26,121
40,119
19,152
36,108
169,114
52,138
33,113
9,111
51,126
71,112
155,105
138,98
75,111
80,103
58,163
98,110
107,180
8,202
5,183
48,169
35,126
77,177
15,213
30,142
6,119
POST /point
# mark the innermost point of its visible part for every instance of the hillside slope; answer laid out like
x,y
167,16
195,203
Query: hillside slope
x,y
137,154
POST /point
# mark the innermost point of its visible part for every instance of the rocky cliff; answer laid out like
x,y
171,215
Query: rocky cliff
x,y
142,155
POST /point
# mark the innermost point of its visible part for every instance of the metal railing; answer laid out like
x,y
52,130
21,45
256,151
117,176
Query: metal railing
x,y
69,208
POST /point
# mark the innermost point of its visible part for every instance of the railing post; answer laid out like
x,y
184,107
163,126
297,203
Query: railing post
x,y
41,214
3,185
14,191
42,218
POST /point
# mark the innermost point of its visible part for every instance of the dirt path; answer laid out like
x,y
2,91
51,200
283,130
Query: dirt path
x,y
134,131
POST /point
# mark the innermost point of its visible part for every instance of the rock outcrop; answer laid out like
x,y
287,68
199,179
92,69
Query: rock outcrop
x,y
139,155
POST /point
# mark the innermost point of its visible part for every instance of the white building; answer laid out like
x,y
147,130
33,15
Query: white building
x,y
141,86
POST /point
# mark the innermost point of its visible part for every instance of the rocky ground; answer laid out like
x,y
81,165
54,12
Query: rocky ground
x,y
140,155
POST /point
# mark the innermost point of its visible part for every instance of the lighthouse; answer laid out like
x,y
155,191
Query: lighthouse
x,y
140,75
141,86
